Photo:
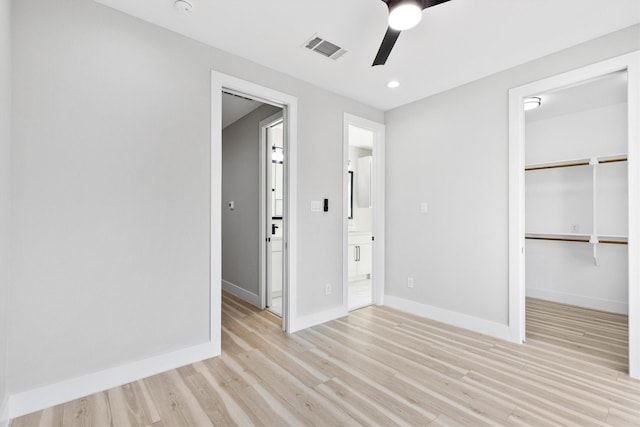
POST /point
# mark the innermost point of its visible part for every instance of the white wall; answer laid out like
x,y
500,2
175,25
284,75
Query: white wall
x,y
451,151
111,189
5,165
564,272
241,183
600,131
561,200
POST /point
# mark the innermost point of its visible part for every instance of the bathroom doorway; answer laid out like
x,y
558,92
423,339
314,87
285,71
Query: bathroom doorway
x,y
364,212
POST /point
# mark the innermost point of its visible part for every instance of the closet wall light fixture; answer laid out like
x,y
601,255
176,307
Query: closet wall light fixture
x,y
532,103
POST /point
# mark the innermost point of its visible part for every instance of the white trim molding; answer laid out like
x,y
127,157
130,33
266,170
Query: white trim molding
x,y
319,318
631,63
579,300
289,103
460,320
65,391
241,293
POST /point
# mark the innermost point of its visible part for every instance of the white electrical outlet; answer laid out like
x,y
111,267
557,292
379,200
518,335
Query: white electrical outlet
x,y
424,207
327,289
575,228
410,282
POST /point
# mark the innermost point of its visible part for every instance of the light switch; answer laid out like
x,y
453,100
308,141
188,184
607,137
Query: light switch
x,y
316,206
424,208
232,205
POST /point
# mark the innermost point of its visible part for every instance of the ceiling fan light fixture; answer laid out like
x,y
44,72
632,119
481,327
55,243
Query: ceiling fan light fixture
x,y
532,103
405,14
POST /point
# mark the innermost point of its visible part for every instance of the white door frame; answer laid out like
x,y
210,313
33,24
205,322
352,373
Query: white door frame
x,y
631,63
377,203
264,259
220,82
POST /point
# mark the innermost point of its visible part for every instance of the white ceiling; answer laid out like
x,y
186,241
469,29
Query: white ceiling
x,y
234,108
456,42
601,92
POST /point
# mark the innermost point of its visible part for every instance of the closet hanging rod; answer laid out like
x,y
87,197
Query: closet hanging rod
x,y
566,165
568,239
613,160
580,163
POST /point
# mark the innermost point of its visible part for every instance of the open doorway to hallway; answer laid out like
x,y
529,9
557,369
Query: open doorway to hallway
x,y
253,220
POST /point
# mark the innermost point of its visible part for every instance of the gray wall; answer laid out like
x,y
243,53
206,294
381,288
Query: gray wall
x,y
111,189
451,150
5,135
241,183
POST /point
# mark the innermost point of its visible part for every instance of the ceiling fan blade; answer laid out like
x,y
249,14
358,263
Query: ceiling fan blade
x,y
429,3
425,3
392,35
388,42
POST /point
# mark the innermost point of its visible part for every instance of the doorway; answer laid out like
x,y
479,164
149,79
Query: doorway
x,y
363,213
225,83
577,180
272,159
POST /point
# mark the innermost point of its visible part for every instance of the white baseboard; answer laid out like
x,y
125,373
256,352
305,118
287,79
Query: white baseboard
x,y
75,388
579,300
4,412
475,324
314,319
241,293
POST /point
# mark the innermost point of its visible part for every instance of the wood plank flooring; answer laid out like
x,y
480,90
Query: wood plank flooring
x,y
382,367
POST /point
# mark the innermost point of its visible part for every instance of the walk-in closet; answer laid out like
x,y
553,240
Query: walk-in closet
x,y
576,197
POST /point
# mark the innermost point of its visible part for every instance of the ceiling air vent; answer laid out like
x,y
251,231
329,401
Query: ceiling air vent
x,y
324,47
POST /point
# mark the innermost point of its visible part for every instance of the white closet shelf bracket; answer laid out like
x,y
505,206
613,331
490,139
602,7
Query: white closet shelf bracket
x,y
595,241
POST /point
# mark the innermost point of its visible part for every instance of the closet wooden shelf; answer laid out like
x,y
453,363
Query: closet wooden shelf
x,y
577,237
612,158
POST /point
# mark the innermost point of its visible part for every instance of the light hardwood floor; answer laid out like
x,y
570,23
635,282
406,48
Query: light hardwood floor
x,y
383,367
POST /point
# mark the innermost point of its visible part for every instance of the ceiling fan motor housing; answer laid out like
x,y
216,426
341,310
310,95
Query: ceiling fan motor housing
x,y
394,3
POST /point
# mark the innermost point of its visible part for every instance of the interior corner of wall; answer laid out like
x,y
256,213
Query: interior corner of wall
x,y
309,320
4,411
459,320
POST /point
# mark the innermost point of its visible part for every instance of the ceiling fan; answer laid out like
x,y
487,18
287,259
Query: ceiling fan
x,y
403,14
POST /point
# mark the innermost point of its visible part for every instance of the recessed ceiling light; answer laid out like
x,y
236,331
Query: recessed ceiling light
x,y
393,84
184,7
532,103
405,14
